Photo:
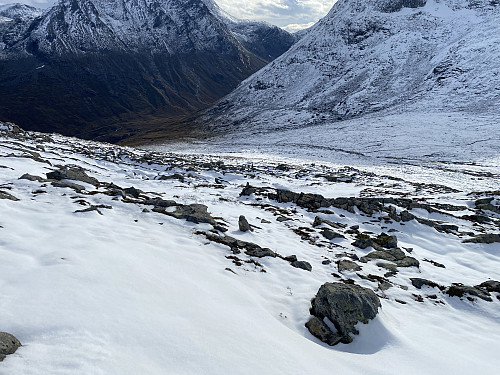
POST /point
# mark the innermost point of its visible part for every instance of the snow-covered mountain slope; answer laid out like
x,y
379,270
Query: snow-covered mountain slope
x,y
101,278
22,11
172,26
377,55
14,22
119,65
262,39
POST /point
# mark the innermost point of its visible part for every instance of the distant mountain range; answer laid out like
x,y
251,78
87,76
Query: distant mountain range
x,y
371,56
108,69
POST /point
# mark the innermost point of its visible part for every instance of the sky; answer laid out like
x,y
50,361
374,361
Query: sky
x,y
292,15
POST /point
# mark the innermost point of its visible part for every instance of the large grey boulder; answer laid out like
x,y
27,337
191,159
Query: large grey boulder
x,y
344,305
8,345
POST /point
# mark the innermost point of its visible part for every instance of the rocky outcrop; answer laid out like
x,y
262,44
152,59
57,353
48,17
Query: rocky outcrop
x,y
348,265
236,246
382,241
5,195
484,238
310,201
460,290
195,213
8,345
419,283
490,286
343,305
330,234
397,256
72,173
486,204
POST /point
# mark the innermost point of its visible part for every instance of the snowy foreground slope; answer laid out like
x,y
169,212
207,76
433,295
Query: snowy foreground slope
x,y
100,279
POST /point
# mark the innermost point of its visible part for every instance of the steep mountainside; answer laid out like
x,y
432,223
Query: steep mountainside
x,y
261,38
106,68
264,40
14,22
369,56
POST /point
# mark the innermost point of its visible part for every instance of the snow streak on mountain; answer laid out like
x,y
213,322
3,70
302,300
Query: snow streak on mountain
x,y
369,56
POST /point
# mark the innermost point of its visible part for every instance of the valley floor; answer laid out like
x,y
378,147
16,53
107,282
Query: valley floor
x,y
100,278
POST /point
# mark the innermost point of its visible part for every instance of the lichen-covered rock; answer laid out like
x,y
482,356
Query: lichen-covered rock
x,y
319,329
386,241
8,345
408,262
363,241
344,305
348,265
4,195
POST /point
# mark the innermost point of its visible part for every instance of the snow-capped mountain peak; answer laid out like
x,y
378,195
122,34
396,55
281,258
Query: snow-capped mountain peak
x,y
19,11
154,25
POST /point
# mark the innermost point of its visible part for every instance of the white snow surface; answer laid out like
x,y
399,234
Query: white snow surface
x,y
130,292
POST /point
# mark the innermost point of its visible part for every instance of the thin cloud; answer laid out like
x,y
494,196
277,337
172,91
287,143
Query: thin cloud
x,y
278,12
294,27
